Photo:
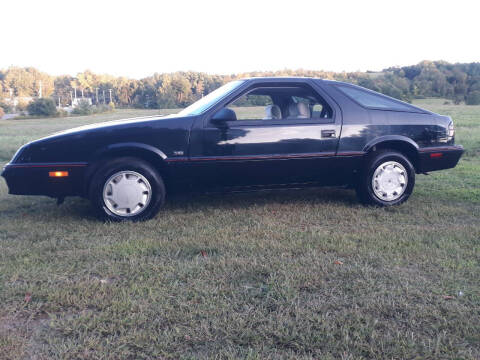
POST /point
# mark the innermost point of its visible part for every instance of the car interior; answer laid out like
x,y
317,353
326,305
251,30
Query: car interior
x,y
279,103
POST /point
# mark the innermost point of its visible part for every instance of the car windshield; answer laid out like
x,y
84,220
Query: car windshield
x,y
207,101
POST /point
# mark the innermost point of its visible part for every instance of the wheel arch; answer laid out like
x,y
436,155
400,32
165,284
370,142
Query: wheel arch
x,y
403,144
148,153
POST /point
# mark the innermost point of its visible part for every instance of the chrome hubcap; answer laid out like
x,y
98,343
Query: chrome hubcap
x,y
127,193
389,181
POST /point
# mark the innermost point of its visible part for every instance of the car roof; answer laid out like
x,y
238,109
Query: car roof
x,y
289,79
278,78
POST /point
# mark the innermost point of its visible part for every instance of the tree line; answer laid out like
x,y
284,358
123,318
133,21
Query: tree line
x,y
458,82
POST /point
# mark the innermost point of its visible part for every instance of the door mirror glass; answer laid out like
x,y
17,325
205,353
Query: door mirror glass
x,y
223,115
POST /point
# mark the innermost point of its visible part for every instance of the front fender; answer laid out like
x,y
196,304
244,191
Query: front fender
x,y
146,152
124,147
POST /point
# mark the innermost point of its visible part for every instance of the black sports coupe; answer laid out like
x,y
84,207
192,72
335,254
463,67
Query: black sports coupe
x,y
249,134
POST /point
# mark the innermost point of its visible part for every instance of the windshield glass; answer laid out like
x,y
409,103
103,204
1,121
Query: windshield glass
x,y
207,101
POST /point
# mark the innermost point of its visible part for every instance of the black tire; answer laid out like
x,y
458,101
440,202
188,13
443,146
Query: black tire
x,y
113,166
364,188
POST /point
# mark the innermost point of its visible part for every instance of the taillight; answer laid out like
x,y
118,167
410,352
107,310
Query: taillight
x,y
451,130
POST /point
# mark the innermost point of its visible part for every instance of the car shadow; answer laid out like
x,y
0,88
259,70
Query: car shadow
x,y
80,209
191,202
238,200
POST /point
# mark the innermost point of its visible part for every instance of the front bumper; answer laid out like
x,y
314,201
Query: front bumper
x,y
439,158
34,179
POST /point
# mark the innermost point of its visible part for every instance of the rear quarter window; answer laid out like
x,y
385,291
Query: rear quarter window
x,y
372,100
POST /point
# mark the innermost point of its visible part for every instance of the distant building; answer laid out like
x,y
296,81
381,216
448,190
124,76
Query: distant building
x,y
77,101
18,100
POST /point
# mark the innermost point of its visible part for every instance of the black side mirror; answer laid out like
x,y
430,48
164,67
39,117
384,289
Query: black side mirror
x,y
223,116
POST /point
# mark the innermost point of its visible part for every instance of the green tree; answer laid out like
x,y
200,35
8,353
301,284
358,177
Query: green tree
x,y
473,98
426,79
26,82
63,89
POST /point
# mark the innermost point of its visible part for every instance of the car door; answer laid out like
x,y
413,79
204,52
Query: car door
x,y
270,142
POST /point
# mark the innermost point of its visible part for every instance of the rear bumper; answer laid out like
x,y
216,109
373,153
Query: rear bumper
x,y
439,158
34,179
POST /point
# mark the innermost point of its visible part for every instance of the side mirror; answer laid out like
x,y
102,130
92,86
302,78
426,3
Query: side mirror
x,y
223,116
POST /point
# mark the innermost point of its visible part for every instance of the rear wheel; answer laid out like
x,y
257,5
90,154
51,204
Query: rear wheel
x,y
127,189
388,179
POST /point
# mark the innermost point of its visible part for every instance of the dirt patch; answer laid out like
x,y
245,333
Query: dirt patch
x,y
19,336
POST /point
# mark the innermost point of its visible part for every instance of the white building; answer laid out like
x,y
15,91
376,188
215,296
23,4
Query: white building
x,y
18,100
77,101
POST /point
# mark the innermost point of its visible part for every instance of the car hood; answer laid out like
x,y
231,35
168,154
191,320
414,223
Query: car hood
x,y
106,124
170,133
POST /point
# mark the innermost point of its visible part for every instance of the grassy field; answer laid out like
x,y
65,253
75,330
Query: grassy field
x,y
296,274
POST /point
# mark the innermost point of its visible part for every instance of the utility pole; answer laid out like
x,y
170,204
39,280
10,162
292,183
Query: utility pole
x,y
103,97
40,89
71,96
59,101
75,89
110,90
82,93
96,94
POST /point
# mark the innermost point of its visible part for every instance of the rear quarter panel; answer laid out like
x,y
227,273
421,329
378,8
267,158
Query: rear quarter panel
x,y
361,126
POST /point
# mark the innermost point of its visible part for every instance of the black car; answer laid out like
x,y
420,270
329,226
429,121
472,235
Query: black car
x,y
249,134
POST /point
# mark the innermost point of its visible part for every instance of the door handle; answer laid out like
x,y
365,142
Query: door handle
x,y
328,133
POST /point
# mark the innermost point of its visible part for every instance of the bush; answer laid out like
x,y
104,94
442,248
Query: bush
x,y
42,107
101,108
1,112
83,108
473,98
6,107
62,113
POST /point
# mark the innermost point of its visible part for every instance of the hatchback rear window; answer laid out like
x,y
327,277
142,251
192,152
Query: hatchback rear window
x,y
372,100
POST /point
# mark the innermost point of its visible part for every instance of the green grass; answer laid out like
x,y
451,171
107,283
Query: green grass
x,y
305,274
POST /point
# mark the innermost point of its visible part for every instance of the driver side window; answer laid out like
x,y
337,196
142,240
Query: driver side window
x,y
251,106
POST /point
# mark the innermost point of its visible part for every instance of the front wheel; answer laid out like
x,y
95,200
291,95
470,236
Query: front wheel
x,y
388,179
127,189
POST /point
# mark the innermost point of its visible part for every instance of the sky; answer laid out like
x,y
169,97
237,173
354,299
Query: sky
x,y
138,38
